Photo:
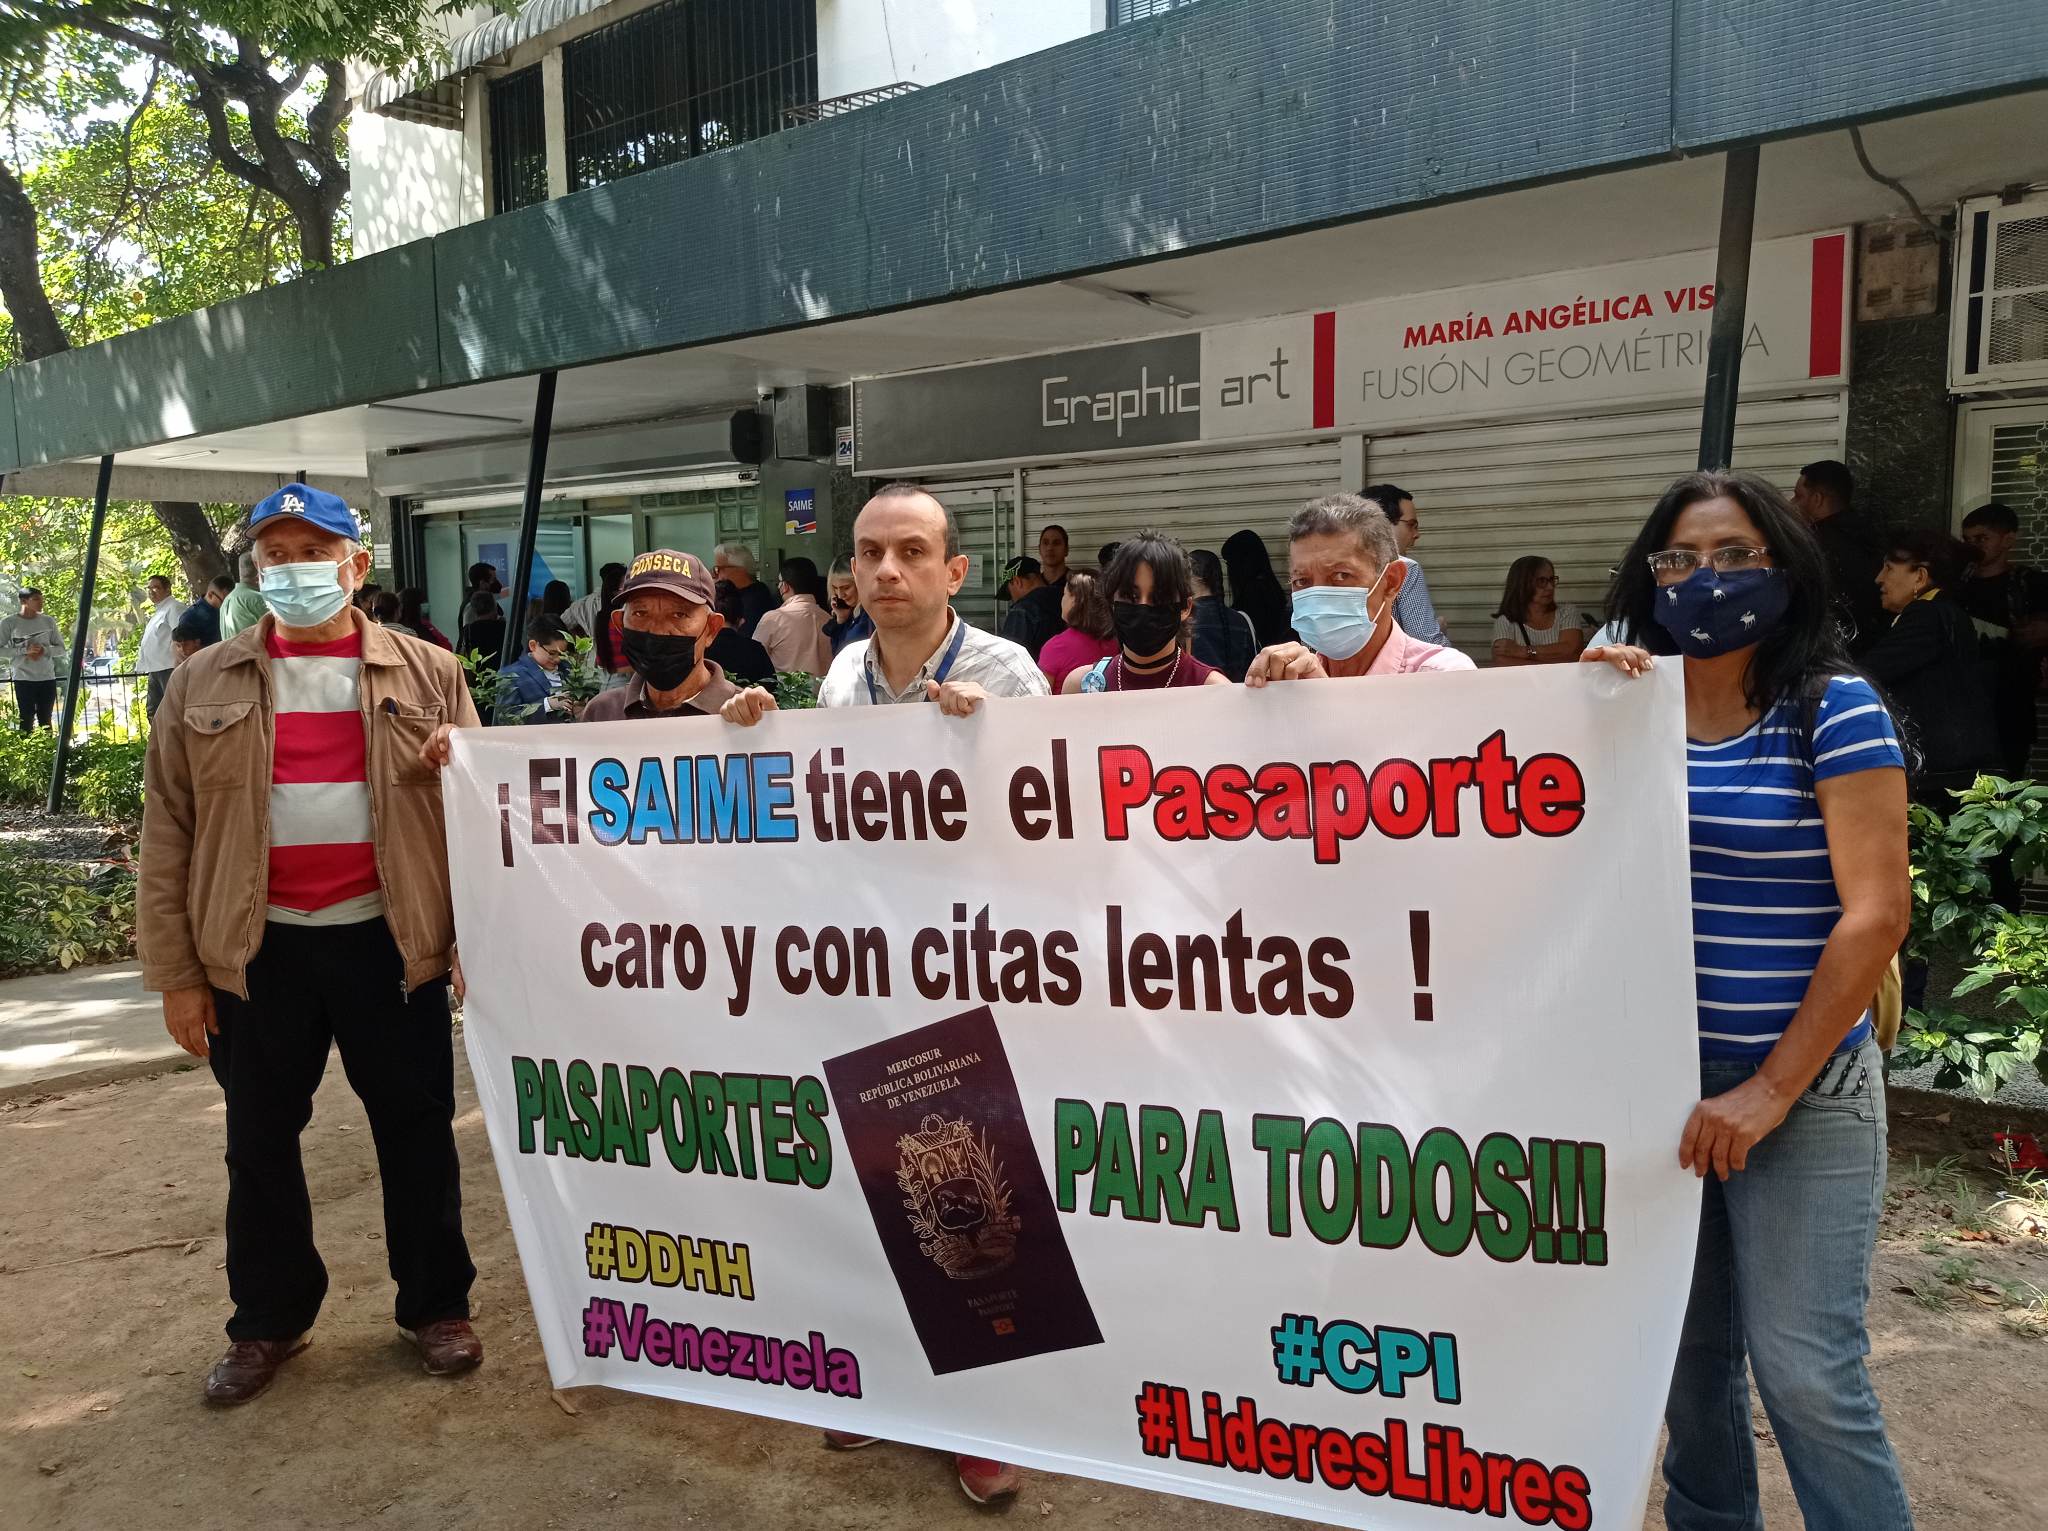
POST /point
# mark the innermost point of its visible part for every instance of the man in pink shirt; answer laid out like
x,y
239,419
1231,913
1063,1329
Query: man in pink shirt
x,y
794,633
1346,571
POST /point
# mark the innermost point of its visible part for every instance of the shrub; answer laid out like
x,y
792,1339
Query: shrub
x,y
106,777
59,914
1955,915
103,773
492,694
25,762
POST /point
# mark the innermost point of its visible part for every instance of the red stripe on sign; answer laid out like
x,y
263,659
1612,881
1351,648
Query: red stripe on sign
x,y
1325,354
1824,342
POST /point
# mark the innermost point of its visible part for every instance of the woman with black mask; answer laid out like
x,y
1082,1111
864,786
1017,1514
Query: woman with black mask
x,y
1255,590
1151,589
1800,895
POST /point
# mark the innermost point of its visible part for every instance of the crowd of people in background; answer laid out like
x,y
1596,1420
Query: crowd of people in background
x,y
1956,630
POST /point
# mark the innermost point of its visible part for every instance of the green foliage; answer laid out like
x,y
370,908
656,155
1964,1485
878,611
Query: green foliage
x,y
492,694
107,778
487,688
1955,916
104,773
59,914
581,678
136,224
794,690
25,763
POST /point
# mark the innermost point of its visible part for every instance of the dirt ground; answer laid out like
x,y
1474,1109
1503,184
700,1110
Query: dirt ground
x,y
112,1297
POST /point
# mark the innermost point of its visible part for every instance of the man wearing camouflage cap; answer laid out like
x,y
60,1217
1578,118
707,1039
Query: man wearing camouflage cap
x,y
670,618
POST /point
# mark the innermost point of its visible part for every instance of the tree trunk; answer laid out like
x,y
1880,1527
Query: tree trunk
x,y
194,541
37,330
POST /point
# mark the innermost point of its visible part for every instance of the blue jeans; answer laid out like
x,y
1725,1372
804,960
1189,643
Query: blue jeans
x,y
1781,1278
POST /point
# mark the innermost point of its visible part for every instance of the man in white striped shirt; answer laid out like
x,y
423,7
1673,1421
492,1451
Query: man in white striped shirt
x,y
294,897
908,566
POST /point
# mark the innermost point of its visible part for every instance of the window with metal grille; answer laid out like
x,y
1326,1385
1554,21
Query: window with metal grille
x,y
684,78
519,142
1121,11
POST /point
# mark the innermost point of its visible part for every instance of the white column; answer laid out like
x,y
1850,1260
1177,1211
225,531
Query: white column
x,y
554,109
477,189
1351,464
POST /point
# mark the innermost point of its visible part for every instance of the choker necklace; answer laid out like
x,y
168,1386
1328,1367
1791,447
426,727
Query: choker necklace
x,y
1118,666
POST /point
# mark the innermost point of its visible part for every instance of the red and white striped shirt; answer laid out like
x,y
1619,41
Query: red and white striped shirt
x,y
323,862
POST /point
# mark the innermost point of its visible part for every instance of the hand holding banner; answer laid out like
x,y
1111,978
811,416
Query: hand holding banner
x,y
1303,1069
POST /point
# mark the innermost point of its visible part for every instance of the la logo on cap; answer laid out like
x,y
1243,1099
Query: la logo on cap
x,y
292,505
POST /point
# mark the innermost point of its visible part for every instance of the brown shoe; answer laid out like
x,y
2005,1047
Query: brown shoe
x,y
446,1346
249,1367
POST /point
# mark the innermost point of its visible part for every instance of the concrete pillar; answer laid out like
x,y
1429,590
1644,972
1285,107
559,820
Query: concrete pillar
x,y
477,187
554,110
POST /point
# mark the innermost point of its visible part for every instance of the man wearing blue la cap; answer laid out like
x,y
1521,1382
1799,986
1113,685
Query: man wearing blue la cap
x,y
293,898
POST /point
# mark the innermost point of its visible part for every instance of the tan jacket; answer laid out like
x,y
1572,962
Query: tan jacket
x,y
205,875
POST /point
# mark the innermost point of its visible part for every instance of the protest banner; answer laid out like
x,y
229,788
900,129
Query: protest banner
x,y
1266,1096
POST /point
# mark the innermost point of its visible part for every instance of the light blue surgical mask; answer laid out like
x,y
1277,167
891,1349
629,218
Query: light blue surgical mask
x,y
303,594
1336,620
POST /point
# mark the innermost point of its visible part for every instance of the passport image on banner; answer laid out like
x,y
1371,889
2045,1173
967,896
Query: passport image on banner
x,y
937,1134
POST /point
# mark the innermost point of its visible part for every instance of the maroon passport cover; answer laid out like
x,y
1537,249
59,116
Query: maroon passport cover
x,y
937,1134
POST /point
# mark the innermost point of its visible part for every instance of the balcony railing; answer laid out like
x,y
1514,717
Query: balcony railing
x,y
852,101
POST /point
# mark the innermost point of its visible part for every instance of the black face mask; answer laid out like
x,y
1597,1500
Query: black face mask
x,y
663,661
1144,630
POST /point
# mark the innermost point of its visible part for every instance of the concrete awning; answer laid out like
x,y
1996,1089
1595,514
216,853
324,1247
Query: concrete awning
x,y
1805,183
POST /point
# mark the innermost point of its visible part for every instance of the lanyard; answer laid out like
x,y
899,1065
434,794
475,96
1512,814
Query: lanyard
x,y
945,664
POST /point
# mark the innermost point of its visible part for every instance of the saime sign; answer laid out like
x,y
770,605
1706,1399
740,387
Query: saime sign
x,y
1563,341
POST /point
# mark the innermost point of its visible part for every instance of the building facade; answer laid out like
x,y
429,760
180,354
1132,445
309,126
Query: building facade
x,y
561,97
1121,263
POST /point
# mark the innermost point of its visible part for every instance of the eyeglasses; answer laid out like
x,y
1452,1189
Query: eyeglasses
x,y
1676,565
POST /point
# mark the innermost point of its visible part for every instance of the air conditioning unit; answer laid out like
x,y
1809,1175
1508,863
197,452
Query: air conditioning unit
x,y
1998,329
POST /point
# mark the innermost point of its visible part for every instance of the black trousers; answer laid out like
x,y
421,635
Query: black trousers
x,y
153,693
34,701
344,984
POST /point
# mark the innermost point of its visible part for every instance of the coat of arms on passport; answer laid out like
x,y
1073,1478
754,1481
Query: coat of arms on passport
x,y
959,1206
937,1134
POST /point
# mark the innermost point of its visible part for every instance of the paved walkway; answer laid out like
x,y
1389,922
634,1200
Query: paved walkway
x,y
85,1026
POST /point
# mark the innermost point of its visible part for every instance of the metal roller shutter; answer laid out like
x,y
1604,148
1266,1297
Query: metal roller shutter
x,y
1199,495
984,512
1573,490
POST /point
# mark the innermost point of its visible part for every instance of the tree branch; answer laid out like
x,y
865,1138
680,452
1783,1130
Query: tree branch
x,y
220,140
114,223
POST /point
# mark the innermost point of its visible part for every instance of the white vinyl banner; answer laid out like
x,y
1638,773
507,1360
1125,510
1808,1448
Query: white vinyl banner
x,y
1266,1096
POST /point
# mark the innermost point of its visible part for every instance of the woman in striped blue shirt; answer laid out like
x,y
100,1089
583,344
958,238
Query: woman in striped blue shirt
x,y
1800,897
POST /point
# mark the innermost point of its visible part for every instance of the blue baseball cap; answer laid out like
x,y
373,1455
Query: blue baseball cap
x,y
327,511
